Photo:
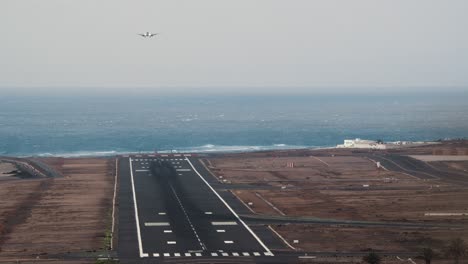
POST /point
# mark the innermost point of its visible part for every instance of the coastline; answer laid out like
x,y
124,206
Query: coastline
x,y
214,149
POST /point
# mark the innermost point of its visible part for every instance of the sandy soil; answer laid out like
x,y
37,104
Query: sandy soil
x,y
337,238
56,216
5,168
332,184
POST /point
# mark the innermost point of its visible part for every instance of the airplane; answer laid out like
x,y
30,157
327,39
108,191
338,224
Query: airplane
x,y
148,35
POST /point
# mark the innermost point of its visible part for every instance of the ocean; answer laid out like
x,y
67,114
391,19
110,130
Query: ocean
x,y
79,125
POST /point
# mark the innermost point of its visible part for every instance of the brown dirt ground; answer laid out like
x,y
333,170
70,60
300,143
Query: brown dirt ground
x,y
56,216
329,184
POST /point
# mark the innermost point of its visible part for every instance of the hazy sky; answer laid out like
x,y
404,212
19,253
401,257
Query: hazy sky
x,y
246,44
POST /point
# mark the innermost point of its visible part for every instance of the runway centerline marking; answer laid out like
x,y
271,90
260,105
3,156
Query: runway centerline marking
x,y
230,209
187,217
221,231
171,242
167,231
228,242
140,244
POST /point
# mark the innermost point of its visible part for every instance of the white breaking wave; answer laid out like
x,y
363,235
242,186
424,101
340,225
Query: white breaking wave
x,y
81,154
240,148
208,148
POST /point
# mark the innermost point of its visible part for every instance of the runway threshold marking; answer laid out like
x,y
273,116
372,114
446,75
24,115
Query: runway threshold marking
x,y
230,209
140,244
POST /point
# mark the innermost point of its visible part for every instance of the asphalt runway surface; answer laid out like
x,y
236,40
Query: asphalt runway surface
x,y
169,210
418,169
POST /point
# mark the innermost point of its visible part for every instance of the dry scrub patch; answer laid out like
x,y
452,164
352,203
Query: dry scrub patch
x,y
343,239
335,187
71,214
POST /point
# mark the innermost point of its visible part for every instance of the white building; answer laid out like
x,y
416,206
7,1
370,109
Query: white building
x,y
361,143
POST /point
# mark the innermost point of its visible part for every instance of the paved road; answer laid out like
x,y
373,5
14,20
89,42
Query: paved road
x,y
417,168
179,214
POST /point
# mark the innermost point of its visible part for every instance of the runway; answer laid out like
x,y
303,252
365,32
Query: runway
x,y
178,214
419,169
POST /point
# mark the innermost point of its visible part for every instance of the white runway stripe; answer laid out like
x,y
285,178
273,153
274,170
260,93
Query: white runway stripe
x,y
213,254
157,224
224,223
230,209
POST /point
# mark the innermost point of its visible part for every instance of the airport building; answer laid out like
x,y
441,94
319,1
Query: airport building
x,y
361,143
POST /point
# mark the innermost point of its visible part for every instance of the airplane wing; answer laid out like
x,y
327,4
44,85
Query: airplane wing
x,y
143,35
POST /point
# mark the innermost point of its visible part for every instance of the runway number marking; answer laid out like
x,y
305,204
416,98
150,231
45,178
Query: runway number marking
x,y
140,244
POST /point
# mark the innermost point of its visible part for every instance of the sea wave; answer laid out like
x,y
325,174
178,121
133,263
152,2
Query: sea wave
x,y
208,148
